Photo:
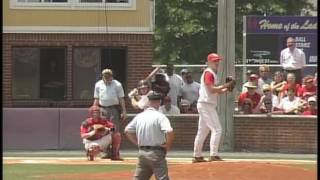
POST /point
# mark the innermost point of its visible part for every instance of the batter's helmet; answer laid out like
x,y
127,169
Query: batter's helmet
x,y
214,57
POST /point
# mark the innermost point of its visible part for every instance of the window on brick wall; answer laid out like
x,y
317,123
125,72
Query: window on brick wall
x,y
88,63
107,1
73,1
74,4
42,1
38,73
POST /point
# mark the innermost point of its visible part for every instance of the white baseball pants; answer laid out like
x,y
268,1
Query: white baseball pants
x,y
208,121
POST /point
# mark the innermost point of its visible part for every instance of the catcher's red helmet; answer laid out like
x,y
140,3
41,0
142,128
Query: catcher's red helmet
x,y
94,108
214,57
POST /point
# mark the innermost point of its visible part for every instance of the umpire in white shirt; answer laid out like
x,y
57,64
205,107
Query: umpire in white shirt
x,y
293,59
151,131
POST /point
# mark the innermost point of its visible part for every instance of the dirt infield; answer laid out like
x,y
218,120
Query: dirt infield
x,y
216,171
184,170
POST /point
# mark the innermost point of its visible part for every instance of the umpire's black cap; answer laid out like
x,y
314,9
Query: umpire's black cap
x,y
154,96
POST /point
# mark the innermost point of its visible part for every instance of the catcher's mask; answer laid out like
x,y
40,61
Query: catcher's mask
x,y
93,109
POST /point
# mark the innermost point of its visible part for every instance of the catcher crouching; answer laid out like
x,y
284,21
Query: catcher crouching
x,y
98,136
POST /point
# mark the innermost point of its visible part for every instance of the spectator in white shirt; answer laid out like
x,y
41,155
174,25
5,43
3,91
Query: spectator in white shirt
x,y
175,83
183,73
268,102
190,90
139,96
264,72
290,104
278,83
168,107
293,59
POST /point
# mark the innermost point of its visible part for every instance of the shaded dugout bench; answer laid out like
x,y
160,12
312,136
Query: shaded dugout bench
x,y
58,128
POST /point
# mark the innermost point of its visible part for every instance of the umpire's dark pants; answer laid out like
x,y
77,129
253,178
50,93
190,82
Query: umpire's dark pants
x,y
151,161
113,113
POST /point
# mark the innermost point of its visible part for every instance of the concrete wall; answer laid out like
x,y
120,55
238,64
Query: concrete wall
x,y
58,128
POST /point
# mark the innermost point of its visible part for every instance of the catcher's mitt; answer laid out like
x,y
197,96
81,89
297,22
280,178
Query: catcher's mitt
x,y
231,83
100,131
99,127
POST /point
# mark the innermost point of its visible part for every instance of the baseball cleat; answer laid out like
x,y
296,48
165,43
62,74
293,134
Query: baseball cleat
x,y
116,159
106,156
198,160
215,158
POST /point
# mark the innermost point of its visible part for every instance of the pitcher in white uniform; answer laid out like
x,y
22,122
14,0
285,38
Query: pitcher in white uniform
x,y
206,105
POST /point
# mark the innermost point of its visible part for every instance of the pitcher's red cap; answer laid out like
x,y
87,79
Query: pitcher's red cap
x,y
214,57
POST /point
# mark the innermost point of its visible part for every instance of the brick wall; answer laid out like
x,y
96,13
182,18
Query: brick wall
x,y
185,129
139,57
284,134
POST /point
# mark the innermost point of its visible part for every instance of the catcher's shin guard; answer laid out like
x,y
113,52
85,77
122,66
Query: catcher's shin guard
x,y
92,152
116,141
107,152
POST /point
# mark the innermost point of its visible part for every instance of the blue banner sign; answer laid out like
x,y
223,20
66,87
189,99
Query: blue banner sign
x,y
266,36
282,24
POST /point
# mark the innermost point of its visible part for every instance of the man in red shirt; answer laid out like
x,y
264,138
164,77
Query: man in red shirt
x,y
98,134
251,94
309,89
311,107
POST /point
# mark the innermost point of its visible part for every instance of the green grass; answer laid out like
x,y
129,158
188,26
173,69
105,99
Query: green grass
x,y
34,171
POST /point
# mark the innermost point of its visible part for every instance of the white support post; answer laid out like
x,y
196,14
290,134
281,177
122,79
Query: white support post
x,y
226,48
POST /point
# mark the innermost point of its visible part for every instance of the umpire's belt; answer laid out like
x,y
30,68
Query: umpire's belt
x,y
112,106
152,148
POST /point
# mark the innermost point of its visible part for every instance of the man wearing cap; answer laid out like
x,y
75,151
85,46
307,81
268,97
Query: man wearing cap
x,y
311,107
151,131
308,89
206,105
109,95
138,96
293,59
160,84
253,78
251,94
183,73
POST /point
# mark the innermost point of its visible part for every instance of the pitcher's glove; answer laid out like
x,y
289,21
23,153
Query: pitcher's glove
x,y
231,83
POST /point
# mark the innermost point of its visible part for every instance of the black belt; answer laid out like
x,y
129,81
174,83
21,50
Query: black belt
x,y
112,106
151,148
292,70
